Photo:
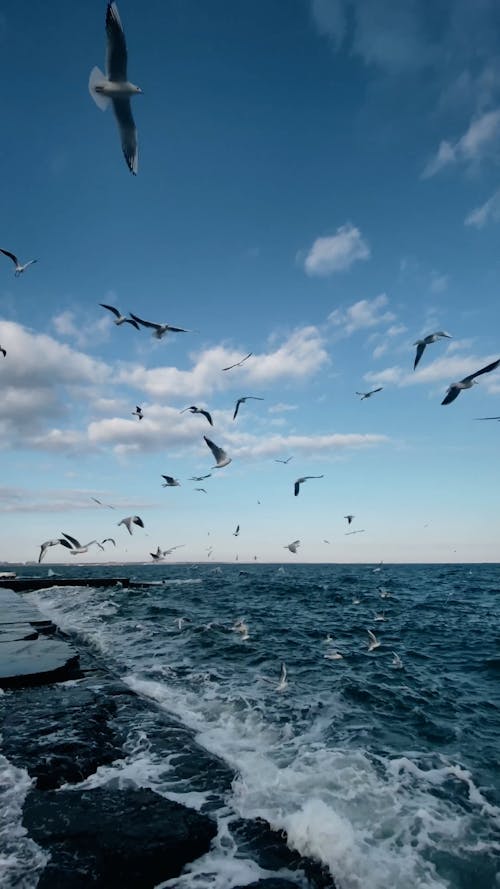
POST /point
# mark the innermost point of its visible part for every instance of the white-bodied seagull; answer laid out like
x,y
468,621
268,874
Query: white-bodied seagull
x,y
455,389
19,267
426,341
159,329
221,458
120,319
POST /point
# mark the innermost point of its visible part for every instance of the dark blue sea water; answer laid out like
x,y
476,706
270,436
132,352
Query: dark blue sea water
x,y
388,774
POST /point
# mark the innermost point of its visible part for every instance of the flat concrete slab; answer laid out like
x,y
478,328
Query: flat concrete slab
x,y
33,662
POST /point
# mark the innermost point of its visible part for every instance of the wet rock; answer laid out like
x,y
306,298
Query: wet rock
x,y
114,839
27,662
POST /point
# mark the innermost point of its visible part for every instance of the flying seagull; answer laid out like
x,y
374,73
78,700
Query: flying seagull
x,y
296,487
284,461
221,457
467,382
159,329
158,556
349,518
426,341
202,490
200,478
138,412
114,86
108,505
4,353
236,533
78,547
120,319
169,551
170,481
131,520
360,531
369,394
477,418
44,546
198,410
373,641
238,363
293,547
242,400
109,540
19,268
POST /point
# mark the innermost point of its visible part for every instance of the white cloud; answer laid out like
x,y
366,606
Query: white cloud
x,y
281,408
336,252
362,314
243,445
488,212
446,370
379,350
439,283
480,139
84,332
396,330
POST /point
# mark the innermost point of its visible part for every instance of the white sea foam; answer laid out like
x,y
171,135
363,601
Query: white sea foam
x,y
21,860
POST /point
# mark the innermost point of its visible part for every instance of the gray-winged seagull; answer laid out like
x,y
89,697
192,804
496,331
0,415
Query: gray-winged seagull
x,y
296,487
120,319
426,341
159,329
44,546
455,389
238,363
131,520
369,394
198,410
221,458
19,268
242,401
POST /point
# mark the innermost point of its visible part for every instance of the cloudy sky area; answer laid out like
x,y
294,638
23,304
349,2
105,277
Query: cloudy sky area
x,y
319,188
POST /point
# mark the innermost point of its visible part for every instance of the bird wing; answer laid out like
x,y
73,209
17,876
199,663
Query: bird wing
x,y
128,132
376,390
10,255
177,330
420,352
145,323
237,407
111,309
220,455
169,479
453,392
372,636
487,418
283,673
132,322
73,541
296,487
109,540
484,370
207,415
138,521
116,49
312,476
127,522
230,367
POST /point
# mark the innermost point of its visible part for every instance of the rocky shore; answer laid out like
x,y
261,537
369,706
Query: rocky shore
x,y
65,720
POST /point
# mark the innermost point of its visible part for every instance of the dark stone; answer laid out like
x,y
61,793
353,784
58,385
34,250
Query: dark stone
x,y
114,839
15,634
36,662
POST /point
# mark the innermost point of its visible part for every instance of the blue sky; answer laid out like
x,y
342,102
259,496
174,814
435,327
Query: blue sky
x,y
320,187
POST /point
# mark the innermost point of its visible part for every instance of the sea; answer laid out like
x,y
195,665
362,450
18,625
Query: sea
x,y
382,764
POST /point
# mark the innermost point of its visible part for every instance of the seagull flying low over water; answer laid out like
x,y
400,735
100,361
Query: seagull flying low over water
x,y
170,481
349,518
369,394
242,400
296,487
78,547
138,412
159,329
426,341
131,520
120,319
373,641
455,389
44,546
293,547
283,461
221,458
238,363
114,86
19,268
198,410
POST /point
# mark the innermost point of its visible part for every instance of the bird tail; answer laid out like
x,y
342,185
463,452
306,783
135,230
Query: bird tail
x,y
95,80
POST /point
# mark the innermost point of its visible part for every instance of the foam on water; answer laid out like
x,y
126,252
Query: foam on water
x,y
21,860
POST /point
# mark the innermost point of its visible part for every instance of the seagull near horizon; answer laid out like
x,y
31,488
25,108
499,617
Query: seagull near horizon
x,y
221,458
238,363
170,481
426,341
116,88
293,547
131,520
19,267
455,389
277,460
120,319
79,548
159,329
44,546
242,401
299,481
236,533
369,394
373,641
349,518
138,412
158,556
198,410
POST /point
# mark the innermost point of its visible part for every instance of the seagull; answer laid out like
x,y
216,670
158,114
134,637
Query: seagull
x,y
4,353
158,556
78,547
238,363
115,87
159,329
120,319
284,461
200,478
380,616
348,533
396,661
44,546
467,382
373,643
107,505
334,656
138,412
369,394
169,551
198,410
293,547
109,540
202,490
241,627
170,481
221,457
349,518
282,684
242,400
431,338
236,533
131,520
19,268
296,487
477,418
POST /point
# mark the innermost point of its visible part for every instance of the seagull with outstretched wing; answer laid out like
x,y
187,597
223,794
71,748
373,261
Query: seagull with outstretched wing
x,y
242,401
120,319
20,268
159,329
297,484
221,458
455,389
426,341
